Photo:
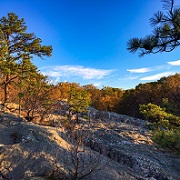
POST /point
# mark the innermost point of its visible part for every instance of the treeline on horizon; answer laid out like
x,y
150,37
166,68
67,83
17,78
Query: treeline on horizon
x,y
35,92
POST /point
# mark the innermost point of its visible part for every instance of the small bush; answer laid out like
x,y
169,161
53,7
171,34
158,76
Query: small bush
x,y
152,112
165,126
168,138
158,116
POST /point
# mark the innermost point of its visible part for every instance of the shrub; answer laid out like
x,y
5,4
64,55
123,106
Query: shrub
x,y
165,126
168,138
157,115
170,108
152,112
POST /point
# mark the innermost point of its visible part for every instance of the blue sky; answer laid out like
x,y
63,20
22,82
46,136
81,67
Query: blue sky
x,y
89,39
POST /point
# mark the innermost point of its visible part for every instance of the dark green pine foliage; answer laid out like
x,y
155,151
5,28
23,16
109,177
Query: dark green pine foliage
x,y
16,50
78,100
166,32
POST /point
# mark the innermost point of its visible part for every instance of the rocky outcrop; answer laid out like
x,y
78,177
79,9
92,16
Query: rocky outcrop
x,y
116,147
127,140
143,159
29,151
112,117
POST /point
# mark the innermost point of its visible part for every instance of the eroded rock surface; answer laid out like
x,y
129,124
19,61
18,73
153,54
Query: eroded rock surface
x,y
121,145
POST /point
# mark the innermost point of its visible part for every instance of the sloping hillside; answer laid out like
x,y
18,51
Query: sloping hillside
x,y
115,147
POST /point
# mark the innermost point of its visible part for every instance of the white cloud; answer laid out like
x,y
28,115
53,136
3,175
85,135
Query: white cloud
x,y
174,63
75,71
140,70
148,69
156,76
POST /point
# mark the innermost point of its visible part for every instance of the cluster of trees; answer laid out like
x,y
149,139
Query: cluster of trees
x,y
20,81
37,92
17,48
128,101
106,99
154,92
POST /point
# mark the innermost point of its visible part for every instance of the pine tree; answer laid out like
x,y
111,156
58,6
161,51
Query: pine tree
x,y
166,34
79,100
16,50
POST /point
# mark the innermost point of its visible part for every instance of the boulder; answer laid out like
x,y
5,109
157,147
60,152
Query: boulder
x,y
11,106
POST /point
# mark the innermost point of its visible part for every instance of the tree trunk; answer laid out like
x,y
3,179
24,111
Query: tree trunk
x,y
28,113
19,106
6,88
77,117
6,93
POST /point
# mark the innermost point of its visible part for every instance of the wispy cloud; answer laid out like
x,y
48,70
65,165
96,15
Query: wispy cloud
x,y
174,63
75,71
148,69
139,70
156,76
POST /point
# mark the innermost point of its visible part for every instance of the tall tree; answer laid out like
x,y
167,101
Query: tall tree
x,y
166,33
16,46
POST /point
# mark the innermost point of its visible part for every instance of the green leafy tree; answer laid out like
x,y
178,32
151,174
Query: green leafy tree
x,y
79,100
166,33
16,47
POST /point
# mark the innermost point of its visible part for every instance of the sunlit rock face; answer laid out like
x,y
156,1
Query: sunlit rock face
x,y
121,145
